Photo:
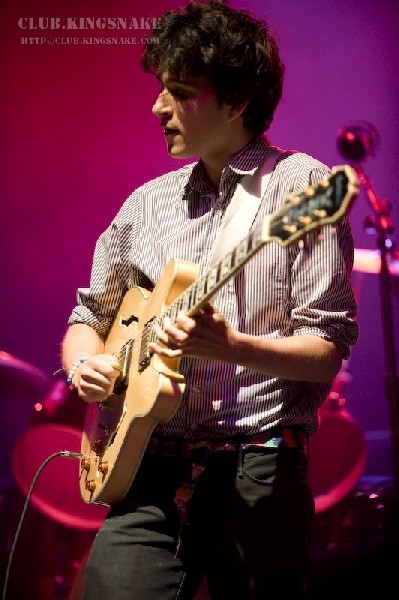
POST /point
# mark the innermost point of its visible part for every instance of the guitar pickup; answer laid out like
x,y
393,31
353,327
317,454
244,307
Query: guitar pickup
x,y
124,357
145,355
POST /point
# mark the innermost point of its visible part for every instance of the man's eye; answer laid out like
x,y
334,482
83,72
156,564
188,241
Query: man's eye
x,y
180,94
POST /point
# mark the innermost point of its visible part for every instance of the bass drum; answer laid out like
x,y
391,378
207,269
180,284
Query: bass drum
x,y
337,454
56,492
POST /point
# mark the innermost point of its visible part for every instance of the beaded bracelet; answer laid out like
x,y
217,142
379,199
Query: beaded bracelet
x,y
73,370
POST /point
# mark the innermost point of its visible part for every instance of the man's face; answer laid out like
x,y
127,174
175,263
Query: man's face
x,y
193,120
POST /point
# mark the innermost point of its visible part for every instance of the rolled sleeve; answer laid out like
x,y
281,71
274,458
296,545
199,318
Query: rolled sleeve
x,y
322,296
97,304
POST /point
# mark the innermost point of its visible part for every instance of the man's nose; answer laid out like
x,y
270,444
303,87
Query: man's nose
x,y
162,104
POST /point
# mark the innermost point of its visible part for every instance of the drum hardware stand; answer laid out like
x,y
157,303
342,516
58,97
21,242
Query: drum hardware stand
x,y
60,584
357,143
64,567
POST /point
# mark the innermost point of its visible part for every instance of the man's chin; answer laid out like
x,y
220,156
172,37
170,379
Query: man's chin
x,y
176,152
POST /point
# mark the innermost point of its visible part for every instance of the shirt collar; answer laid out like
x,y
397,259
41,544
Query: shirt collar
x,y
247,160
243,162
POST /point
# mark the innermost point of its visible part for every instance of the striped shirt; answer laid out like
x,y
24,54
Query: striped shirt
x,y
281,291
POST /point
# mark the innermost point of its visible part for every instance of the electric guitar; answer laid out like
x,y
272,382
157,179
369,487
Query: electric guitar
x,y
148,391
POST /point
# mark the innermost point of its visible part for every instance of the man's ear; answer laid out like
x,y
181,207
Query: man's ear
x,y
236,111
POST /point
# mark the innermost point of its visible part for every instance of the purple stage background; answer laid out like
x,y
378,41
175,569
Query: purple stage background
x,y
78,137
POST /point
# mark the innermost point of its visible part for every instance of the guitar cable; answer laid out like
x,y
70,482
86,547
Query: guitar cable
x,y
63,453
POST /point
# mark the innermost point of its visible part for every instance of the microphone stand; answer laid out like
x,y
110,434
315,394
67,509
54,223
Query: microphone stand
x,y
382,224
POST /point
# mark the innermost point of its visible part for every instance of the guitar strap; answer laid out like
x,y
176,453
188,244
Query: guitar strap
x,y
244,205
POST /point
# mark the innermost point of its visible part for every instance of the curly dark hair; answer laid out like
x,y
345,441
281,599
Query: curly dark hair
x,y
231,48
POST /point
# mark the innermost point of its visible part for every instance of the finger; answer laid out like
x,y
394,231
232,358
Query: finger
x,y
116,367
208,308
184,322
165,350
160,333
109,365
170,336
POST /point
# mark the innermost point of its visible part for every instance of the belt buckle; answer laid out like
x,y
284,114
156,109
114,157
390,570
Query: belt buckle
x,y
274,442
220,446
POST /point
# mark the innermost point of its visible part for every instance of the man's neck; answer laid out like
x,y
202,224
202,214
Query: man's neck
x,y
214,165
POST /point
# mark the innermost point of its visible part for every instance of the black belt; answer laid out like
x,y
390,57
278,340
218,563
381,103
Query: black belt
x,y
282,437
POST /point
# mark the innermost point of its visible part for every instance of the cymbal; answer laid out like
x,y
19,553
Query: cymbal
x,y
22,385
369,261
20,378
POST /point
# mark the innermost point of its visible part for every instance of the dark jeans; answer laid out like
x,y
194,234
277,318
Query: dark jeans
x,y
248,528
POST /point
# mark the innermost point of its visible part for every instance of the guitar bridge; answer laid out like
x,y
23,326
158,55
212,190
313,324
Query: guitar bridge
x,y
120,385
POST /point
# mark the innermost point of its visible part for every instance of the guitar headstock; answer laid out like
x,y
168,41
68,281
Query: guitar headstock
x,y
325,202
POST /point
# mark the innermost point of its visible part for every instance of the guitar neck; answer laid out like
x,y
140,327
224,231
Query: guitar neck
x,y
205,287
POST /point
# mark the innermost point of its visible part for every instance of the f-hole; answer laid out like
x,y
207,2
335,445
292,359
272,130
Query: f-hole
x,y
129,320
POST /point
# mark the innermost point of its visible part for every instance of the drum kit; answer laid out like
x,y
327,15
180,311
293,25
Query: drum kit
x,y
42,419
334,474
